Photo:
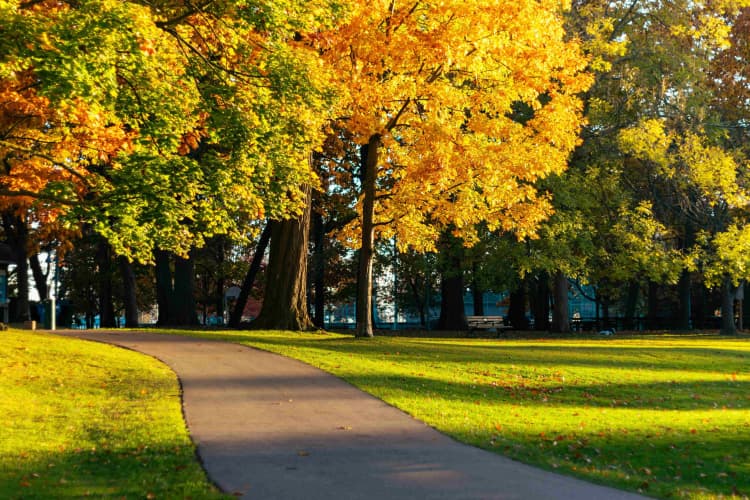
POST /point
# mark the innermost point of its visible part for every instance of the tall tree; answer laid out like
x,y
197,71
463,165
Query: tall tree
x,y
160,124
285,299
430,88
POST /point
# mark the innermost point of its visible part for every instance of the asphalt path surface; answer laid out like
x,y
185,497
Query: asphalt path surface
x,y
268,427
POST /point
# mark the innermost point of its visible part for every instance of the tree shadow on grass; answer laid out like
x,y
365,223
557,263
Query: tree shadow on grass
x,y
699,358
163,471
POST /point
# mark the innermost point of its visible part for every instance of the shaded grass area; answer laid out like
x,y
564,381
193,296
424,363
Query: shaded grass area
x,y
663,415
86,419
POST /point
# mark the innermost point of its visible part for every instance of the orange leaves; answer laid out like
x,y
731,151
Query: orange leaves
x,y
439,82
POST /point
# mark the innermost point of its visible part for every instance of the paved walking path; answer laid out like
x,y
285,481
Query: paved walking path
x,y
268,427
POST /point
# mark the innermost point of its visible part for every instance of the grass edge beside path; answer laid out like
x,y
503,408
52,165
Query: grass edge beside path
x,y
663,415
90,419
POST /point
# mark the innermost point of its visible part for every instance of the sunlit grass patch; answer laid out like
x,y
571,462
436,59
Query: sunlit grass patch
x,y
665,415
86,419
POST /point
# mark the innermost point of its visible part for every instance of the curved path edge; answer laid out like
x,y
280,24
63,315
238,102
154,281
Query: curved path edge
x,y
270,427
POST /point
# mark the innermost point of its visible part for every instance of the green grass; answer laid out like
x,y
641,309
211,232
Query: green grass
x,y
85,419
664,415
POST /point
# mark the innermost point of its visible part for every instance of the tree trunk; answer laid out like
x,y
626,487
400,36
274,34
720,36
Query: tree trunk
x,y
605,313
221,247
17,234
249,281
185,313
702,311
106,306
452,311
631,301
653,305
319,262
727,307
40,279
164,288
541,303
23,310
129,292
683,320
560,314
478,299
370,154
476,291
418,301
517,308
285,299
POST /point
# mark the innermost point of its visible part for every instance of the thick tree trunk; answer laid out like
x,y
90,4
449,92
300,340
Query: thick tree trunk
x,y
727,307
683,320
17,234
319,262
252,272
478,296
106,306
517,308
129,292
164,288
560,314
370,154
452,312
40,279
285,299
185,313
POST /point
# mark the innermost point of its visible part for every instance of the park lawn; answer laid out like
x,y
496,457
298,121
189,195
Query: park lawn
x,y
668,416
87,419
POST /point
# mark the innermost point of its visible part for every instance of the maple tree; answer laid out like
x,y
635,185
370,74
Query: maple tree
x,y
429,92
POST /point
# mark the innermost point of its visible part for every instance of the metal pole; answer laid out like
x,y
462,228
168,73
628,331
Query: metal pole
x,y
53,314
53,299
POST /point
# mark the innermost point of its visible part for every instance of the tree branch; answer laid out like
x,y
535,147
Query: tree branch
x,y
50,159
394,120
38,196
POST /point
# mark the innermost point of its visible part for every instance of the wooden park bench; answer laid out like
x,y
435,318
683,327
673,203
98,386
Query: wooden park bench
x,y
487,323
